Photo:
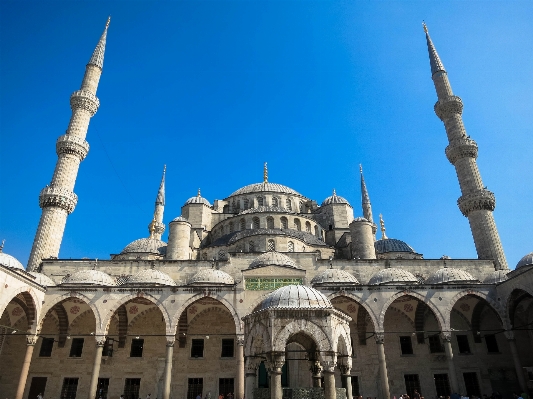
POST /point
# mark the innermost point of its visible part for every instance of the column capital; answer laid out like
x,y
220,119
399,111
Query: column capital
x,y
31,340
100,340
345,369
446,336
379,337
250,364
275,361
315,368
240,340
170,340
509,334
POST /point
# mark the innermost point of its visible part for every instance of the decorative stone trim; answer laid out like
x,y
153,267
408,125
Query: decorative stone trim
x,y
84,99
477,201
59,197
448,106
462,148
69,144
31,340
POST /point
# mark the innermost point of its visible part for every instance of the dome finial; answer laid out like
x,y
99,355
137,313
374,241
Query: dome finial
x,y
151,227
199,194
382,224
265,173
334,193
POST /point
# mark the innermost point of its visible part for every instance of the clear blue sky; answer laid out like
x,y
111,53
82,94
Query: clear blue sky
x,y
215,88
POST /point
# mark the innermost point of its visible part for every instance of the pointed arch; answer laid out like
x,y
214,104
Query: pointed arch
x,y
257,340
516,295
361,303
33,303
304,327
491,302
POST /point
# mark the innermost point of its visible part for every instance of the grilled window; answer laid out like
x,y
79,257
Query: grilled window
x,y
76,348
197,348
227,347
435,346
69,388
137,347
47,345
406,345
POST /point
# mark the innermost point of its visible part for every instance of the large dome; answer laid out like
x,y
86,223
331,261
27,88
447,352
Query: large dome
x,y
92,277
150,276
497,276
449,275
43,279
146,245
392,245
393,276
211,277
265,186
273,258
525,261
296,296
335,199
10,261
334,277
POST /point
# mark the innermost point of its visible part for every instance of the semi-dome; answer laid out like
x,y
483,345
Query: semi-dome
x,y
449,275
265,186
43,279
392,245
525,261
150,276
92,277
334,277
393,276
146,245
296,296
211,277
273,258
180,219
497,276
10,261
335,199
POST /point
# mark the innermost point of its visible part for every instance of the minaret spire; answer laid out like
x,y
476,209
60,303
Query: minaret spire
x,y
265,173
57,199
382,224
156,226
365,202
476,202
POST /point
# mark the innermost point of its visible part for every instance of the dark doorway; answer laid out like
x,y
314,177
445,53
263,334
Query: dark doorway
x,y
263,376
38,385
471,384
412,382
131,388
442,385
103,387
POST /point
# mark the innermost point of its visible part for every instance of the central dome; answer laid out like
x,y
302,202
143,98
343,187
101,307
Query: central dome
x,y
296,296
265,186
272,258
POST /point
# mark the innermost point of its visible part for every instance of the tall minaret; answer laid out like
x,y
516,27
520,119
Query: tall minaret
x,y
476,202
156,226
365,203
58,200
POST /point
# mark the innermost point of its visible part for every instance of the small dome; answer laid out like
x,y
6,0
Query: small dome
x,y
265,186
497,276
93,277
392,245
180,219
273,258
335,199
296,296
334,277
43,279
361,219
525,261
197,200
146,245
393,276
211,277
449,275
10,261
150,276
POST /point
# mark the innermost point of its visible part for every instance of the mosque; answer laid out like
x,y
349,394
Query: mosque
x,y
265,294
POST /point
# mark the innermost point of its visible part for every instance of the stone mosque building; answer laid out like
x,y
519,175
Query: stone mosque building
x,y
264,294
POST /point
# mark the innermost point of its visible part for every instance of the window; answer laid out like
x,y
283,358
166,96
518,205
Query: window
x,y
270,222
290,246
284,223
406,345
195,387
308,227
271,245
103,387
492,343
226,386
412,382
108,347
37,386
260,201
435,346
462,343
76,348
47,345
442,385
69,388
317,233
262,376
227,347
246,203
297,225
275,201
355,386
131,388
231,227
255,222
471,384
242,224
288,204
197,348
251,246
301,207
137,347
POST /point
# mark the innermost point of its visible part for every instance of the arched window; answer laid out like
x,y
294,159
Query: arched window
x,y
297,225
290,246
246,203
288,204
275,201
301,205
270,222
255,222
317,234
308,227
221,254
243,224
231,227
271,245
259,201
251,246
284,223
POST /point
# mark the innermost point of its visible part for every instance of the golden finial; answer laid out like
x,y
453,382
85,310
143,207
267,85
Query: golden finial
x,y
108,21
152,228
2,246
198,195
425,27
265,173
382,224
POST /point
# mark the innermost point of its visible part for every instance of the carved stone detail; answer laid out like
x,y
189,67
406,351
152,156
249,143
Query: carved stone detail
x,y
240,340
446,336
345,370
275,361
69,144
448,106
462,148
58,196
251,364
380,338
170,341
509,335
315,368
31,340
84,99
100,341
479,200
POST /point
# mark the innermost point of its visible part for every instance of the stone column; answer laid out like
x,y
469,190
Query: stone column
x,y
100,342
275,361
31,340
328,370
385,392
516,360
251,376
346,380
316,370
167,374
447,339
239,389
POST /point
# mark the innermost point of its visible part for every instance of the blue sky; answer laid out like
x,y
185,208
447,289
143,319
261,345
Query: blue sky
x,y
215,88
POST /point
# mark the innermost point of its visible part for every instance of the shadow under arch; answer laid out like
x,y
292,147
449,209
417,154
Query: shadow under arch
x,y
31,302
361,303
517,295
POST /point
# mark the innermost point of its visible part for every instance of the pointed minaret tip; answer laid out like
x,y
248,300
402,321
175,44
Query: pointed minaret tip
x,y
2,246
160,200
382,224
425,27
265,173
97,58
434,59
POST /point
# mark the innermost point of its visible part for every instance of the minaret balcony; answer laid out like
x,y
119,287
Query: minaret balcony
x,y
84,99
70,144
58,197
461,148
477,201
448,106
